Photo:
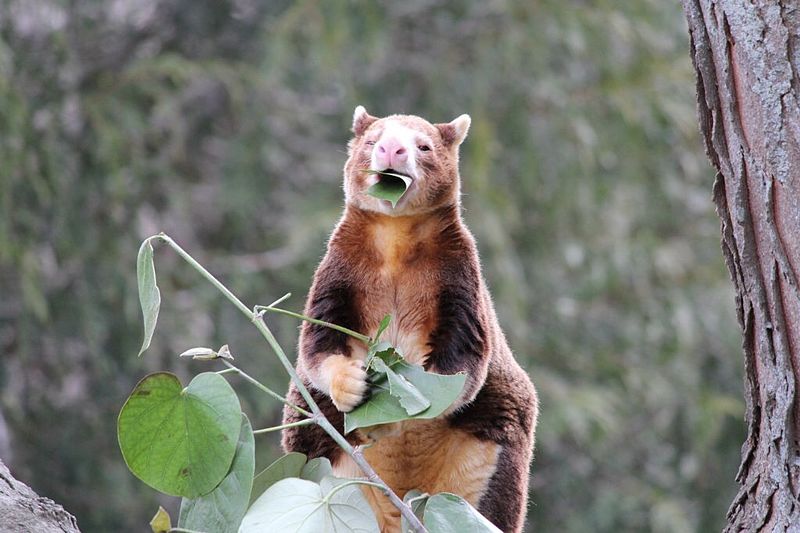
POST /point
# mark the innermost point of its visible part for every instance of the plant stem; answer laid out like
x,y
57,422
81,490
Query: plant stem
x,y
323,422
254,317
227,371
355,334
280,300
304,422
420,497
264,388
351,482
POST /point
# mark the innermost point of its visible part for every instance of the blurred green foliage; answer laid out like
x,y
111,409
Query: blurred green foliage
x,y
224,123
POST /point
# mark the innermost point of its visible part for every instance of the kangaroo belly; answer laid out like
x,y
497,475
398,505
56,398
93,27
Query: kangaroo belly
x,y
426,455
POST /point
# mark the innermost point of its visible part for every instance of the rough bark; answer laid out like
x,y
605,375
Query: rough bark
x,y
746,55
21,509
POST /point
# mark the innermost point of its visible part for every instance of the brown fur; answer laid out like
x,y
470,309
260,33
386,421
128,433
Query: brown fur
x,y
451,461
421,266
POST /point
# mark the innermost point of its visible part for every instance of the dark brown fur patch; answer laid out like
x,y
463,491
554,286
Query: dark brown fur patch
x,y
332,300
504,411
503,503
459,341
312,440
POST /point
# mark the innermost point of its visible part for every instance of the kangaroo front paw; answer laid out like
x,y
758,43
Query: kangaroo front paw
x,y
348,381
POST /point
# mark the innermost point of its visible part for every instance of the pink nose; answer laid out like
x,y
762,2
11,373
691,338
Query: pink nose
x,y
390,153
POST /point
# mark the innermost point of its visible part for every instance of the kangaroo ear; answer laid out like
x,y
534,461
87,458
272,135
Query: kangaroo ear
x,y
454,133
362,120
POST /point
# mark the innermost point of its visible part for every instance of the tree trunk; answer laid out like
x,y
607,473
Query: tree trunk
x,y
746,54
21,509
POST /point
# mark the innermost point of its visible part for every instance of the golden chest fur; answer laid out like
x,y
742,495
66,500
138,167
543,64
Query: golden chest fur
x,y
427,455
400,278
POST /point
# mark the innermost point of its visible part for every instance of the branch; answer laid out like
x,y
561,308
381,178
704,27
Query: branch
x,y
21,509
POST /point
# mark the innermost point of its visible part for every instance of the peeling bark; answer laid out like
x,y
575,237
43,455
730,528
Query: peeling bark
x,y
746,54
21,509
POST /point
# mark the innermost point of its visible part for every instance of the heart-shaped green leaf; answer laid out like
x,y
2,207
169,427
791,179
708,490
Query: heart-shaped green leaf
x,y
222,509
180,441
390,186
448,513
417,500
317,469
347,507
383,407
149,295
409,396
300,506
289,465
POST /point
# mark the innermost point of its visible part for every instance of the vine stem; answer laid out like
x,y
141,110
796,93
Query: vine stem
x,y
356,453
355,334
350,483
304,422
254,381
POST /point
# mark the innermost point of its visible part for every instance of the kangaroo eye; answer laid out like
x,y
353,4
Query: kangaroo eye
x,y
370,143
424,148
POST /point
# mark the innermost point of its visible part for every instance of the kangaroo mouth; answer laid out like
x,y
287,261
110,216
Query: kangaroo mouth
x,y
391,173
391,186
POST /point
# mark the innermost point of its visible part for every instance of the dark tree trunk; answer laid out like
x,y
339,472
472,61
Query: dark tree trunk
x,y
21,509
746,55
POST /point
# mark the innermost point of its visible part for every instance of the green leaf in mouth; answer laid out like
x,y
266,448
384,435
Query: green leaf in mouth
x,y
390,186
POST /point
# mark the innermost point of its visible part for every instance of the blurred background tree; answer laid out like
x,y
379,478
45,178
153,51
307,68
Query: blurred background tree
x,y
224,123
